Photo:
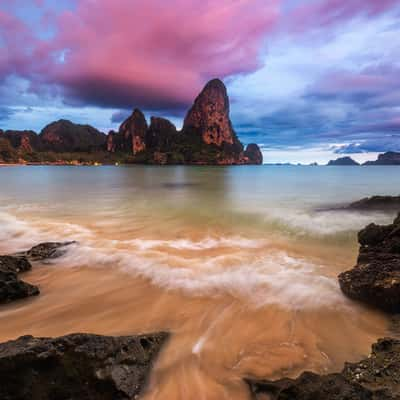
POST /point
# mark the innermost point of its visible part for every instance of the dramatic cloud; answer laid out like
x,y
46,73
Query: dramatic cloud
x,y
153,54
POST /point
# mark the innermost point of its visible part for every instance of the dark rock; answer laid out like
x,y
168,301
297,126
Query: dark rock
x,y
389,158
131,137
375,279
11,287
25,141
377,203
253,154
64,136
375,378
343,161
48,250
77,367
133,132
15,264
161,135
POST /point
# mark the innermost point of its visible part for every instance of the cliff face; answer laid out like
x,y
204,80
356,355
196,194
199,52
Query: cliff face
x,y
209,116
131,137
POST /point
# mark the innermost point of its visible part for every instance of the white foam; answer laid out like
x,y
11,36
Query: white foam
x,y
325,223
270,278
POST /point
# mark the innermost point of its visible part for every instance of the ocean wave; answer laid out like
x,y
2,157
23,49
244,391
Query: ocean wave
x,y
326,223
274,278
266,276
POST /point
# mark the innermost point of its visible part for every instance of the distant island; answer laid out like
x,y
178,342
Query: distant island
x,y
207,138
343,161
389,158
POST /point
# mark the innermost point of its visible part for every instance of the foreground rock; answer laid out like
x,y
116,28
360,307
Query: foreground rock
x,y
375,279
79,366
47,250
375,378
377,203
11,287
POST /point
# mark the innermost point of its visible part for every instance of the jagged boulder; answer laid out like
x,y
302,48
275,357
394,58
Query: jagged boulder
x,y
47,250
375,378
375,279
77,366
11,287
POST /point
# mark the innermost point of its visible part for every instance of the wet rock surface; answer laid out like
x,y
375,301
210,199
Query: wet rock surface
x,y
377,203
11,287
77,366
375,378
46,251
375,279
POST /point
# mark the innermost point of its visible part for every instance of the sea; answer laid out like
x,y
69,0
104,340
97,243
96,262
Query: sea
x,y
238,263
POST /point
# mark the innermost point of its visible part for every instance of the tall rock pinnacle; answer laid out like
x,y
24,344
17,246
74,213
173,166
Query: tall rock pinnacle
x,y
209,115
133,132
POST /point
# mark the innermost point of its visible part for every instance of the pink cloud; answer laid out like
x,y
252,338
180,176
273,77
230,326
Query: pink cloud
x,y
324,13
150,53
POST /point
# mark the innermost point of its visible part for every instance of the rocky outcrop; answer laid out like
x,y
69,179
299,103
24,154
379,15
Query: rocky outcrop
x,y
253,154
46,251
78,366
161,135
343,161
376,203
209,116
375,378
389,158
375,280
24,141
64,136
11,287
133,131
131,137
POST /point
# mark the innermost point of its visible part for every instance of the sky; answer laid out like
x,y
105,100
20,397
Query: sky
x,y
309,80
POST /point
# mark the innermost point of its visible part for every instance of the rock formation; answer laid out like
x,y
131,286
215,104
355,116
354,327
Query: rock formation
x,y
207,136
78,366
376,203
209,116
46,251
24,141
343,161
253,154
375,378
11,287
375,279
131,137
65,136
389,158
